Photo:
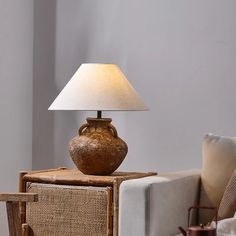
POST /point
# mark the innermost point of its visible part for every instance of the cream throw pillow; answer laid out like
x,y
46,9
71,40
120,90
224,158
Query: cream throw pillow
x,y
219,162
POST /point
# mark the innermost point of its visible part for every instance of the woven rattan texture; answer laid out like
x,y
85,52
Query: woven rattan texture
x,y
68,210
227,206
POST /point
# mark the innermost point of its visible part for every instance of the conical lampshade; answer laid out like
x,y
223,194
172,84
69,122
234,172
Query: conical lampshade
x,y
98,87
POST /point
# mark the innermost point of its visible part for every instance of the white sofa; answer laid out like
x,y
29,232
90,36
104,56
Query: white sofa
x,y
157,205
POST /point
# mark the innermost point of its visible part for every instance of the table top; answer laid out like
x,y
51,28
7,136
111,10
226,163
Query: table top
x,y
74,176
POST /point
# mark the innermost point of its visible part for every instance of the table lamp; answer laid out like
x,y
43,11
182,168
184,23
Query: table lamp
x,y
97,149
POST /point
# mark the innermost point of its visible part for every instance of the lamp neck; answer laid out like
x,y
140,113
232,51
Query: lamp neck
x,y
99,114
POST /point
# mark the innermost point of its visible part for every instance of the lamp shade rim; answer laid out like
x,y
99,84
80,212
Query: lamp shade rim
x,y
71,109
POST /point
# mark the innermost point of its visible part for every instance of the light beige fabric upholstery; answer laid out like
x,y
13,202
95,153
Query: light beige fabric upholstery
x,y
219,162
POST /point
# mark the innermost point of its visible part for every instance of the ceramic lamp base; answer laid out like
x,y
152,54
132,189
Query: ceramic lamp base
x,y
97,149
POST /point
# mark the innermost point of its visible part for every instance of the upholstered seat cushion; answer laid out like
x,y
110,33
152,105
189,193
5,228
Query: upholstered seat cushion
x,y
219,162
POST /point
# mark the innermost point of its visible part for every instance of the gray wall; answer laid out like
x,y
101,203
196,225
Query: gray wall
x,y
16,73
179,55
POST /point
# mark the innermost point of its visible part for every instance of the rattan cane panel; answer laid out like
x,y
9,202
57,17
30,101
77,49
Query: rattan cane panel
x,y
68,210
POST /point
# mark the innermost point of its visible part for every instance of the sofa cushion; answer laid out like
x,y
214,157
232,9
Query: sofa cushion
x,y
219,162
227,207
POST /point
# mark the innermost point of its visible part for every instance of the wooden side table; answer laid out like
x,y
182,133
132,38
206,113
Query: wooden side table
x,y
89,191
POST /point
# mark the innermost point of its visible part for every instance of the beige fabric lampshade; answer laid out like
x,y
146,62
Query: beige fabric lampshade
x,y
98,87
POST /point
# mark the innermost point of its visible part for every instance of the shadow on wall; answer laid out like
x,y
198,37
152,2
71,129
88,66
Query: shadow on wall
x,y
48,81
44,89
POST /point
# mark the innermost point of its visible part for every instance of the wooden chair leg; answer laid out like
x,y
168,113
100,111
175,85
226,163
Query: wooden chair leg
x,y
25,230
14,221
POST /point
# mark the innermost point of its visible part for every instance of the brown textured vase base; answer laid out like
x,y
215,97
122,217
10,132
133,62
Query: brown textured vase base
x,y
97,149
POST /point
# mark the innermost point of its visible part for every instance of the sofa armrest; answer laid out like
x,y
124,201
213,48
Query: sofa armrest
x,y
157,205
